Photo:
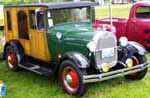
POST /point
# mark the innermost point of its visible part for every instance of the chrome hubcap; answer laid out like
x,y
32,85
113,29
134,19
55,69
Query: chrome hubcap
x,y
68,79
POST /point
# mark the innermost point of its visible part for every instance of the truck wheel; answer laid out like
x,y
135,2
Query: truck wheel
x,y
137,59
11,58
71,78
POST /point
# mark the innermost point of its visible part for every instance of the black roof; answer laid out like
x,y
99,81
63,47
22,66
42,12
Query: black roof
x,y
56,5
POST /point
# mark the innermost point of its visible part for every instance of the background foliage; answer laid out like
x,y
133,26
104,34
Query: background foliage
x,y
4,2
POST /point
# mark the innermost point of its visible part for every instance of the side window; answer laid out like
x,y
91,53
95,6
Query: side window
x,y
143,12
32,19
40,20
8,20
22,25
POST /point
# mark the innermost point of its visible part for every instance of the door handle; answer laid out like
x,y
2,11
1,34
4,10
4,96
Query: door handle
x,y
147,31
30,36
133,20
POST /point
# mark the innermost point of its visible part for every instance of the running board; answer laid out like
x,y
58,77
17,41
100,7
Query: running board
x,y
42,70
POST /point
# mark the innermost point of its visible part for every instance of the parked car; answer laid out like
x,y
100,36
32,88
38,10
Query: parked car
x,y
136,27
51,38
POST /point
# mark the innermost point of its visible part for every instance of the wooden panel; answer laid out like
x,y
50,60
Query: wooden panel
x,y
39,45
8,33
14,24
36,46
25,42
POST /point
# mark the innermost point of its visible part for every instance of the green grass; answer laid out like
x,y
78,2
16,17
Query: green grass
x,y
25,84
117,11
1,20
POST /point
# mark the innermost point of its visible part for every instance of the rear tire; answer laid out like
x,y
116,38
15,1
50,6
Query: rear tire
x,y
71,78
137,59
12,58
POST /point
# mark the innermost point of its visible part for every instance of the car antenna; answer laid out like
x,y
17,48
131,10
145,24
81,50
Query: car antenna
x,y
110,13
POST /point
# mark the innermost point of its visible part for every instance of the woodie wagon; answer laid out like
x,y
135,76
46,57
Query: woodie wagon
x,y
50,38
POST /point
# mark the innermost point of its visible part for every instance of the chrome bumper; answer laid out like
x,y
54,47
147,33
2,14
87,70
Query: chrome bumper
x,y
114,74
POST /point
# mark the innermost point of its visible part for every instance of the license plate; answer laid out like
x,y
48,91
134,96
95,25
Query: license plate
x,y
107,53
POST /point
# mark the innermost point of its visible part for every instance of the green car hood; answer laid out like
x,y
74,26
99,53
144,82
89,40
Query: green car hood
x,y
75,37
76,31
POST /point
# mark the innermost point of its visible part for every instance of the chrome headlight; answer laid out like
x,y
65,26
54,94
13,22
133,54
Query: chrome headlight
x,y
123,41
92,46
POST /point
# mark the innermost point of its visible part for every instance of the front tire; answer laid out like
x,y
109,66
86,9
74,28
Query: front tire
x,y
71,78
137,59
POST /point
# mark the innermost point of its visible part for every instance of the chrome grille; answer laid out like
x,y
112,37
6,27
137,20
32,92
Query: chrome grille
x,y
104,43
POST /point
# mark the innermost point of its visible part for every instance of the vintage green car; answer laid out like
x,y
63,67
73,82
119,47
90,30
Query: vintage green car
x,y
51,38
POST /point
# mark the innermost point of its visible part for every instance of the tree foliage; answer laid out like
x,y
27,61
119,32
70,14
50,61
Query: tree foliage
x,y
9,2
4,2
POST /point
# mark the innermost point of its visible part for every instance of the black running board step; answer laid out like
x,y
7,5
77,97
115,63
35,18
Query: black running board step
x,y
36,68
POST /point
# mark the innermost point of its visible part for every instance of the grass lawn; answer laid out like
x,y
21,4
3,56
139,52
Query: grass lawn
x,y
1,20
117,11
25,84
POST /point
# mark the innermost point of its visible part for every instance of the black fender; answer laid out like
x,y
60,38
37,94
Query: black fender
x,y
79,59
16,45
135,47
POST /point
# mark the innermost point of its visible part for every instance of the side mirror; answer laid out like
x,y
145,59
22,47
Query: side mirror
x,y
40,22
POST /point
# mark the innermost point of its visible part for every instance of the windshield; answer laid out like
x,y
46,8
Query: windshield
x,y
71,15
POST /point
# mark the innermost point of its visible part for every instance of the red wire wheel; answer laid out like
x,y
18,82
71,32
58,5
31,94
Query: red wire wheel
x,y
137,59
71,78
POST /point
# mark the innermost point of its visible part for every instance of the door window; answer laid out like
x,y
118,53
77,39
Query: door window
x,y
32,19
8,20
22,25
40,21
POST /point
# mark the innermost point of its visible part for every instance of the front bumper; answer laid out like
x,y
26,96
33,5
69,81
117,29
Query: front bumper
x,y
114,74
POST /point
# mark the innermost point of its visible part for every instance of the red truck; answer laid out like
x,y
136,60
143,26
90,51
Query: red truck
x,y
136,27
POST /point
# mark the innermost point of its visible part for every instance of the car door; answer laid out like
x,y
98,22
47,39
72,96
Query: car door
x,y
140,26
38,39
22,31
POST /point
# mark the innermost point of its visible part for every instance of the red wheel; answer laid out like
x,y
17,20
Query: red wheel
x,y
11,58
137,59
71,78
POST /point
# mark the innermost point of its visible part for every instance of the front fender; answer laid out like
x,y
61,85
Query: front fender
x,y
80,60
135,47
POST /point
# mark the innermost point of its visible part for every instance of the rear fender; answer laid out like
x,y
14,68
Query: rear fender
x,y
16,45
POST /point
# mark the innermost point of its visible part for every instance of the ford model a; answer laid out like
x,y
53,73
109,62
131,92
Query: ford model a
x,y
59,38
